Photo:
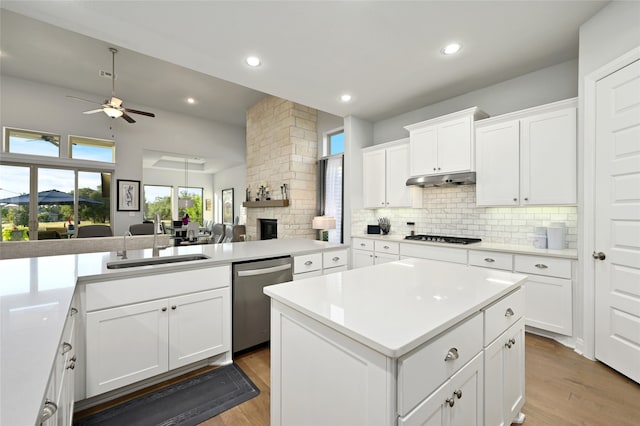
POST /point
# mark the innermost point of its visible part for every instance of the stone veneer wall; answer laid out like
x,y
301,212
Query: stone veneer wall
x,y
282,147
453,211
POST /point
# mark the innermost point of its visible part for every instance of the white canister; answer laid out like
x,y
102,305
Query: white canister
x,y
540,237
556,236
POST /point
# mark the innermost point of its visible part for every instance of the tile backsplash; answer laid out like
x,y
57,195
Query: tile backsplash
x,y
453,211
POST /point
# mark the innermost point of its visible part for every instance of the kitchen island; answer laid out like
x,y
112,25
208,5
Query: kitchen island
x,y
36,297
399,343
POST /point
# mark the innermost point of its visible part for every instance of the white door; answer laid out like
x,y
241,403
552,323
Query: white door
x,y
373,179
199,326
398,194
498,164
617,221
125,345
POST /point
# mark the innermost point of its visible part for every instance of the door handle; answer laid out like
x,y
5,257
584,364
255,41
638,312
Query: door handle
x,y
599,255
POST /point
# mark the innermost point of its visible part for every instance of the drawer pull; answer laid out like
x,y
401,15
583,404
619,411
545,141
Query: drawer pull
x,y
488,259
386,247
508,313
458,394
73,312
335,259
451,402
48,411
452,355
510,343
164,309
72,365
66,347
362,244
541,266
308,262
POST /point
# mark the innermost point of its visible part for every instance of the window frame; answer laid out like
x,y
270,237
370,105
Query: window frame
x,y
327,142
93,142
8,132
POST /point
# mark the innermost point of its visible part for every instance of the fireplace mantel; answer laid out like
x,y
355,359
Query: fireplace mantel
x,y
266,203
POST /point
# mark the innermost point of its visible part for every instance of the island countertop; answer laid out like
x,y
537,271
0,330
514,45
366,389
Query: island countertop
x,y
395,307
35,297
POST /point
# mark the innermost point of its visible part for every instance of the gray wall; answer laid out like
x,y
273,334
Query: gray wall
x,y
537,88
236,178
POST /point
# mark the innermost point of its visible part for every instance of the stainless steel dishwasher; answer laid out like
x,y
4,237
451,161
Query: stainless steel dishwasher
x,y
251,307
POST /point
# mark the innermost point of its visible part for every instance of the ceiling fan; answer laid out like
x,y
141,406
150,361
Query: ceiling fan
x,y
113,107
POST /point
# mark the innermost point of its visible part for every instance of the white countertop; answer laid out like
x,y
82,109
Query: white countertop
x,y
395,307
35,297
499,247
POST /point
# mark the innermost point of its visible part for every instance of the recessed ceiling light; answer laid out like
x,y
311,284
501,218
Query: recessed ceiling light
x,y
191,100
252,61
345,98
451,48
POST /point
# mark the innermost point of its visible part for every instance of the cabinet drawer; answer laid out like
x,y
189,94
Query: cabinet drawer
x,y
334,258
362,244
548,266
427,367
304,275
446,254
502,315
489,259
307,263
386,247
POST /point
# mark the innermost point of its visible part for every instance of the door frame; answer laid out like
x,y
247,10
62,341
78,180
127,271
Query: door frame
x,y
586,200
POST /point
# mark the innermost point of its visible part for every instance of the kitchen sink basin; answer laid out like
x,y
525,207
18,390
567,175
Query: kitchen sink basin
x,y
133,263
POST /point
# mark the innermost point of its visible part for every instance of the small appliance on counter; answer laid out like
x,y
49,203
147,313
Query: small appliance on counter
x,y
556,236
373,229
540,237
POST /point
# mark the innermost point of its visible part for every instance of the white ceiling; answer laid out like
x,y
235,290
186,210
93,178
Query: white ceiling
x,y
385,53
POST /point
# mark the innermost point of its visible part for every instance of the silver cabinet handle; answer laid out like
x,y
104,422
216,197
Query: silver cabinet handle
x,y
540,266
451,402
66,347
308,262
599,255
164,309
526,198
508,313
48,410
370,255
335,259
173,307
362,244
510,342
73,312
386,247
488,259
71,366
452,355
515,199
507,345
458,394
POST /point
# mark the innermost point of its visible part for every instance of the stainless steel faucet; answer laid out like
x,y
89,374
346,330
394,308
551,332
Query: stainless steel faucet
x,y
123,253
156,249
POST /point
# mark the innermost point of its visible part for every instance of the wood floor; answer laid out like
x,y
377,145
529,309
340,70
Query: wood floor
x,y
562,388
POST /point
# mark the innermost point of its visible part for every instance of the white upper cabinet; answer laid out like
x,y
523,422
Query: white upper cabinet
x,y
528,157
444,144
385,173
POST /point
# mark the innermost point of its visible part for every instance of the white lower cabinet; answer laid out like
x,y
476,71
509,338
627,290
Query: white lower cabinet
x,y
129,339
504,381
367,252
458,402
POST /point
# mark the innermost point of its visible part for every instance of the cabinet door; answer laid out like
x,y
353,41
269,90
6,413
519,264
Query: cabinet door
x,y
373,179
498,164
548,304
494,403
454,146
433,411
125,345
199,326
548,158
385,257
361,258
423,149
467,391
514,372
398,194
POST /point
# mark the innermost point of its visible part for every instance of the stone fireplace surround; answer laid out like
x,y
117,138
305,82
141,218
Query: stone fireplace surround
x,y
282,147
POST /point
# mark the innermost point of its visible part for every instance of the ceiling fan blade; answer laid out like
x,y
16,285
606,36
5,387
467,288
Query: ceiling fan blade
x,y
84,100
128,118
135,111
93,111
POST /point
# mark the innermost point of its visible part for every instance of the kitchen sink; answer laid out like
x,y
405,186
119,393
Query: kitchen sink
x,y
133,263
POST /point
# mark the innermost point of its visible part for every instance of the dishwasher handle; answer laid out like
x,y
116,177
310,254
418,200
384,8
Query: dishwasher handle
x,y
262,271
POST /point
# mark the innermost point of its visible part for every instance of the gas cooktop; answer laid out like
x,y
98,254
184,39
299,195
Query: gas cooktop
x,y
442,239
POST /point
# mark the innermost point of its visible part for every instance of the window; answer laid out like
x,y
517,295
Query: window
x,y
335,143
331,193
19,141
157,200
82,148
190,202
54,212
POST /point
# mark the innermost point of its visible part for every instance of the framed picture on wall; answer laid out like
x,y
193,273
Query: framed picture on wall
x,y
128,195
207,204
227,206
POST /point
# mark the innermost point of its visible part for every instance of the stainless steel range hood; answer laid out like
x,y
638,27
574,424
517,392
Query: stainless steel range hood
x,y
453,179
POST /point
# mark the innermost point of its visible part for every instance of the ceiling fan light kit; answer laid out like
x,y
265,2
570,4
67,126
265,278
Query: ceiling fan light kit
x,y
113,107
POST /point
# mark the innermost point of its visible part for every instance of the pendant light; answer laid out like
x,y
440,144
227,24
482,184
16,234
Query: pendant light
x,y
186,202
